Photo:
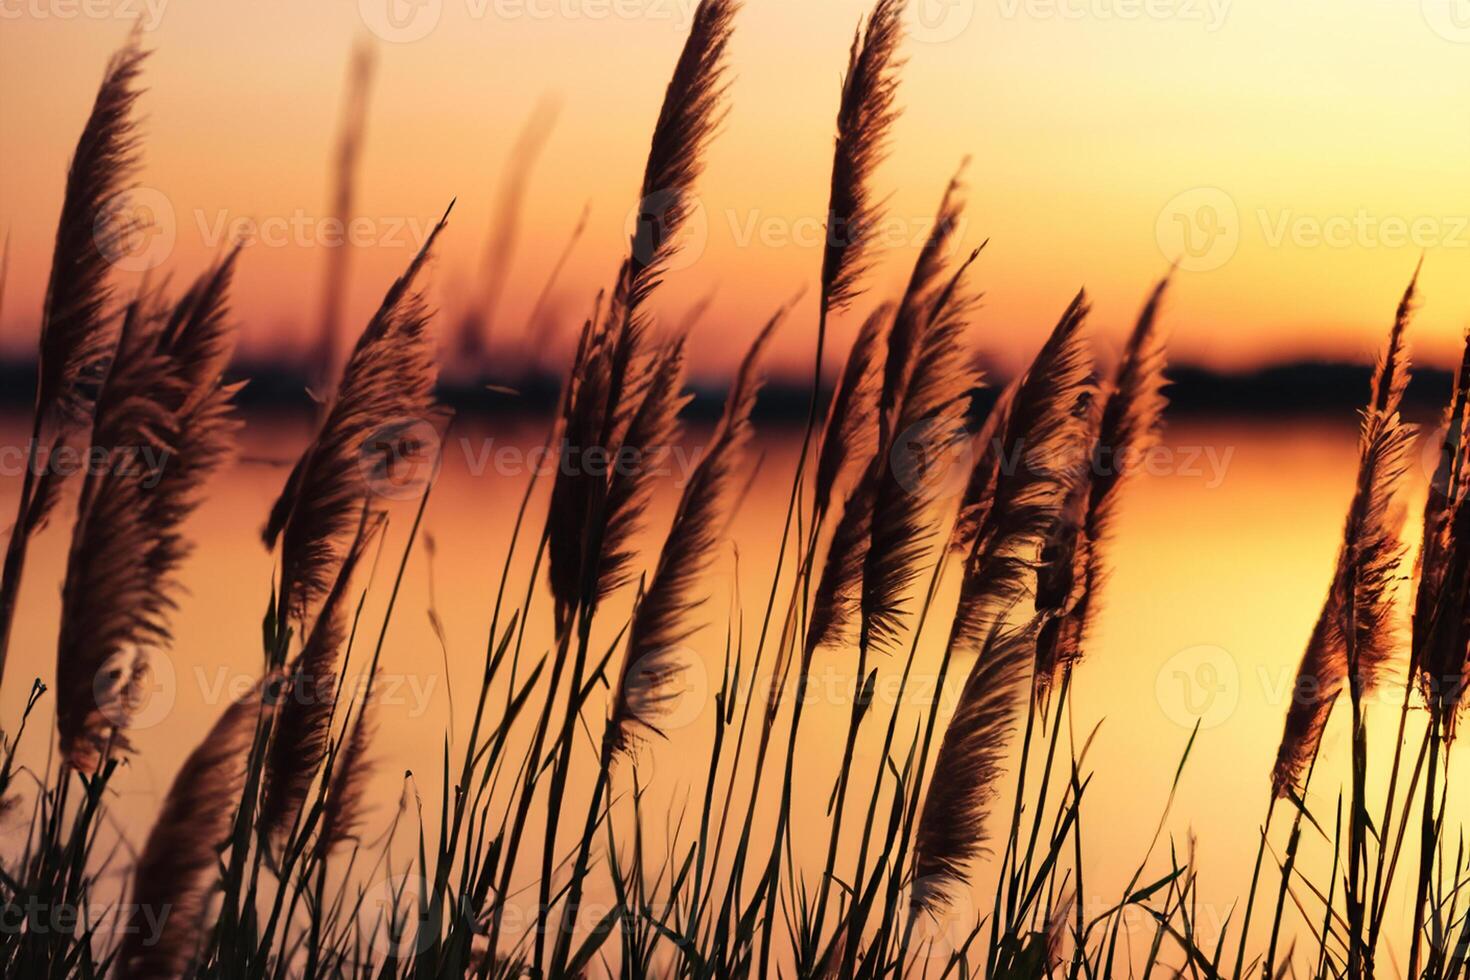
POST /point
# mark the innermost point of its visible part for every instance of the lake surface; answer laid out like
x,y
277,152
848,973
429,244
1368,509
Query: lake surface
x,y
1221,561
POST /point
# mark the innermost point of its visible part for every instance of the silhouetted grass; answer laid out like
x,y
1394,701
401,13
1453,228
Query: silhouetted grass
x,y
254,866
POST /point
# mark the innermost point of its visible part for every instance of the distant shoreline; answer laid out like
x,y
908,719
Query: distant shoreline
x,y
1303,388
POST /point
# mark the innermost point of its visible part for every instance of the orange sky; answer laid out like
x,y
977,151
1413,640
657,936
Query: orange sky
x,y
1310,150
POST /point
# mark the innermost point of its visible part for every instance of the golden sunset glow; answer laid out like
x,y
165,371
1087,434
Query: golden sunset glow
x,y
426,551
1099,131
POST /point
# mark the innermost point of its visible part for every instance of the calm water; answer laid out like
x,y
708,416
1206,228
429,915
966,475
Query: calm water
x,y
1222,558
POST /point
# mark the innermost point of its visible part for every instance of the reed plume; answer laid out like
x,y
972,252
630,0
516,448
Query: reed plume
x,y
346,800
179,866
1013,499
1355,633
1391,373
930,406
952,831
849,440
1375,527
303,728
643,423
572,491
837,604
1318,682
1441,641
865,114
1445,489
661,622
849,435
652,664
92,230
1062,577
77,331
1131,414
980,487
691,113
387,383
617,376
1439,657
911,318
651,431
1043,439
164,423
1123,430
1440,648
